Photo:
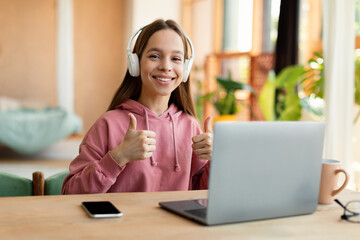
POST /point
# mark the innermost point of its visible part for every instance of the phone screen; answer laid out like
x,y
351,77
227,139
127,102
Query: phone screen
x,y
101,209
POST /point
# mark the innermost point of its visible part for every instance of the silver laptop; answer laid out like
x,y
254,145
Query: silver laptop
x,y
259,170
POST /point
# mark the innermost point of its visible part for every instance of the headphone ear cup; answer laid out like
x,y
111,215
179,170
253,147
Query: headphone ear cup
x,y
187,69
133,64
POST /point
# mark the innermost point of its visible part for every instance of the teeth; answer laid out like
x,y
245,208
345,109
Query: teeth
x,y
163,79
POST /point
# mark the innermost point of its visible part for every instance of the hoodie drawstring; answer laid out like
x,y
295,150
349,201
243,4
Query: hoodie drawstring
x,y
152,161
177,165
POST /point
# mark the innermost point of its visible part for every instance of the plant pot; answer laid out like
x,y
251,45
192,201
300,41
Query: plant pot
x,y
226,118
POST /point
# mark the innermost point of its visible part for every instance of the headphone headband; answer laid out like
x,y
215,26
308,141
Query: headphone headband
x,y
191,48
131,38
133,59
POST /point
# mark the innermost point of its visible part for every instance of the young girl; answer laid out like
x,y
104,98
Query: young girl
x,y
149,139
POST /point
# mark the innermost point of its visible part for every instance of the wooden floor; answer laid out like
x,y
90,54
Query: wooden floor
x,y
24,165
36,162
7,156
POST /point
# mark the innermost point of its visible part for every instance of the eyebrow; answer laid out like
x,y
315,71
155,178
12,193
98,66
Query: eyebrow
x,y
159,50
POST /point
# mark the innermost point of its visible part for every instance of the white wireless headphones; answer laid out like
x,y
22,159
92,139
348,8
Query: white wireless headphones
x,y
133,60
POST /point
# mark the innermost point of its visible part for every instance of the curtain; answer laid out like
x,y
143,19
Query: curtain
x,y
286,52
65,55
338,45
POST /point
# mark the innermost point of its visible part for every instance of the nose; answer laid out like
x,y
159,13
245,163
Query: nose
x,y
165,65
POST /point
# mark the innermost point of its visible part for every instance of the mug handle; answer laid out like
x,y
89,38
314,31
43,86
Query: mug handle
x,y
344,184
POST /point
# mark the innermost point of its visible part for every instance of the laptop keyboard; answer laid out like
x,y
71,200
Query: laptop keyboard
x,y
200,212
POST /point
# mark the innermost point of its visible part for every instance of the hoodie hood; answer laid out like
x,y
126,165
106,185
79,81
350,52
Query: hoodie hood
x,y
138,109
145,114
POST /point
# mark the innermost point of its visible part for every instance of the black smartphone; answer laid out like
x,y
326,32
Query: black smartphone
x,y
101,209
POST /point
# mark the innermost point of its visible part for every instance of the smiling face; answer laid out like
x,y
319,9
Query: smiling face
x,y
161,66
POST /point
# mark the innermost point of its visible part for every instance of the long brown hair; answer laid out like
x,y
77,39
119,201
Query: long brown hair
x,y
131,86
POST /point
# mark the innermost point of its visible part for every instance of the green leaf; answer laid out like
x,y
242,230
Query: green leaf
x,y
231,86
266,98
290,75
292,111
357,80
227,104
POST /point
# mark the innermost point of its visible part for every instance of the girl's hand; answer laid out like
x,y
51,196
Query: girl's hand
x,y
137,144
202,143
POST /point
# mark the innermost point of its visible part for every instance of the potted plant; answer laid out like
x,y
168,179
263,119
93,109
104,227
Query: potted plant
x,y
224,98
279,99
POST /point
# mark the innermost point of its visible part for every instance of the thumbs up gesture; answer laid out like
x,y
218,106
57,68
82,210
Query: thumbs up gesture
x,y
137,144
202,143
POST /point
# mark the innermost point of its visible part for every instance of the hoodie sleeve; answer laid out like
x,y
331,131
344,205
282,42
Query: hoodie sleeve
x,y
199,168
93,170
200,180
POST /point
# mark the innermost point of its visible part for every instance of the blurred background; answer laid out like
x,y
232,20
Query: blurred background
x,y
62,60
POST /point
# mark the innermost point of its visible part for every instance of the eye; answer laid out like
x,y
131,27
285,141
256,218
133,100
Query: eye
x,y
154,56
177,59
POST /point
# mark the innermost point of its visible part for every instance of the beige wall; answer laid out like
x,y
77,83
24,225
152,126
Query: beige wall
x,y
27,50
100,60
101,33
28,53
202,29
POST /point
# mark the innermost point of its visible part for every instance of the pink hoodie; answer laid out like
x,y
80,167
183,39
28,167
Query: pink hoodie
x,y
173,166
